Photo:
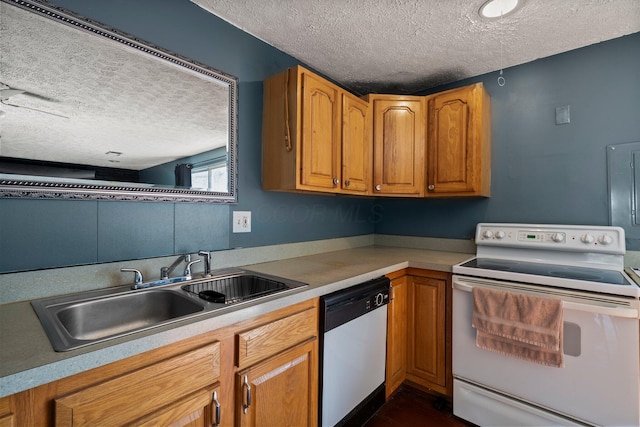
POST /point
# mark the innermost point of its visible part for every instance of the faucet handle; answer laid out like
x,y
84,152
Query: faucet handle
x,y
187,269
138,276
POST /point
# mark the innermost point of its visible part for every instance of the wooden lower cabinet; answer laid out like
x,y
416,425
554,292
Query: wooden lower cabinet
x,y
191,382
396,366
276,383
7,415
174,390
421,300
199,409
281,391
429,331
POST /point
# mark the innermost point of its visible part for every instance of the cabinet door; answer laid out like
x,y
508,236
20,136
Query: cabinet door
x,y
356,147
320,123
458,142
146,392
396,335
426,361
197,410
398,145
281,391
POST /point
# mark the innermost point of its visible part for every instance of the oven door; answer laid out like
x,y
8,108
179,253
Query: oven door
x,y
599,384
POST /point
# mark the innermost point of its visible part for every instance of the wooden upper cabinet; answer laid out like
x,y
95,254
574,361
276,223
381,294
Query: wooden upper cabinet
x,y
398,124
313,135
356,146
319,137
319,124
459,142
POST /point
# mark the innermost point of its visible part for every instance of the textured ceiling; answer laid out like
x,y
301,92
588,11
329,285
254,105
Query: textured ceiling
x,y
404,46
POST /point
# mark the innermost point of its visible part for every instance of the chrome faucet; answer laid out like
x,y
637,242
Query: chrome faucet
x,y
138,276
166,271
206,256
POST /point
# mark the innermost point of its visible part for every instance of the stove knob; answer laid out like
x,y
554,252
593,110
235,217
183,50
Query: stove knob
x,y
487,234
500,235
605,239
557,237
587,238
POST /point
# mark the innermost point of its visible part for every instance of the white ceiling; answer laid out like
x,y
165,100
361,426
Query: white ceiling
x,y
404,46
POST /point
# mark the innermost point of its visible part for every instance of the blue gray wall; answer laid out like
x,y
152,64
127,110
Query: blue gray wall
x,y
541,172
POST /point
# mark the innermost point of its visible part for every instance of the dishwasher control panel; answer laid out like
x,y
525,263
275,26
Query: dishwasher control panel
x,y
347,304
381,298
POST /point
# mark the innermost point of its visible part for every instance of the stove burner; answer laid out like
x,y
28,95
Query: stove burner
x,y
605,277
576,275
497,265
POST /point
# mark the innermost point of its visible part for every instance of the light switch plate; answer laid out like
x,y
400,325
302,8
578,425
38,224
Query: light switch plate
x,y
241,221
563,115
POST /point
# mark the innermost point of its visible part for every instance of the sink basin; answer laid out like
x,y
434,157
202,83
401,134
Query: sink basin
x,y
240,287
72,324
74,321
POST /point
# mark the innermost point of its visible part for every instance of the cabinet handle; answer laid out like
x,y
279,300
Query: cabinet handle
x,y
347,183
336,181
431,187
216,404
378,187
247,395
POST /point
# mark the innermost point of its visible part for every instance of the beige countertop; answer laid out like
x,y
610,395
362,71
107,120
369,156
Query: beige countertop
x,y
28,360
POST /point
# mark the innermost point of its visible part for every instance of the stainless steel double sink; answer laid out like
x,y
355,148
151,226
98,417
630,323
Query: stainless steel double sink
x,y
78,320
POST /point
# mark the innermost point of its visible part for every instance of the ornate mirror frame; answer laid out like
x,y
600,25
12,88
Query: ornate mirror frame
x,y
47,188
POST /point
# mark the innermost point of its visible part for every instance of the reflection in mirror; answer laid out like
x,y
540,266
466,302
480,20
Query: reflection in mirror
x,y
91,113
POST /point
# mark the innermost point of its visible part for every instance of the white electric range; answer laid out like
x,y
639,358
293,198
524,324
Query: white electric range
x,y
583,266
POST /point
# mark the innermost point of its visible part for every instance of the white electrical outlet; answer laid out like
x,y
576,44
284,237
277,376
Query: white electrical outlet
x,y
241,221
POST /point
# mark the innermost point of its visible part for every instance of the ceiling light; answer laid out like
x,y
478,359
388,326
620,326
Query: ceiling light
x,y
497,8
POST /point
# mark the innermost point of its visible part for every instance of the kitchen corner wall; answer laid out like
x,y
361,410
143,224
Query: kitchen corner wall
x,y
542,172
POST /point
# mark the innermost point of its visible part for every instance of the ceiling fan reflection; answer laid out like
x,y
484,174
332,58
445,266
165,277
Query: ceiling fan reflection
x,y
7,92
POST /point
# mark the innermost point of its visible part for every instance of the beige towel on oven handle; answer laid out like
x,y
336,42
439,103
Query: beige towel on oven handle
x,y
519,325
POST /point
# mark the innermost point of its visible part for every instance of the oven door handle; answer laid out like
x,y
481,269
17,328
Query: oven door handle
x,y
606,307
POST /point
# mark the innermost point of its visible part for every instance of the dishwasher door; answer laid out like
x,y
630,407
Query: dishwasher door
x,y
353,345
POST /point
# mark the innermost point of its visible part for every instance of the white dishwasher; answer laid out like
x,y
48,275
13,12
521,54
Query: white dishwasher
x,y
353,352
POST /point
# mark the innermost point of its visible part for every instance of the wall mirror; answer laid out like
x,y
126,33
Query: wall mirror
x,y
88,112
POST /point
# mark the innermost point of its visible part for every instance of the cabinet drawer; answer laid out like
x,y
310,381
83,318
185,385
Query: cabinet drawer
x,y
139,393
266,340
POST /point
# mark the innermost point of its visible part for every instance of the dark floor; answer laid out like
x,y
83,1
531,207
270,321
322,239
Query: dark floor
x,y
409,407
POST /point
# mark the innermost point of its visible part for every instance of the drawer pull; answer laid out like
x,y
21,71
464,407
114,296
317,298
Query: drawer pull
x,y
247,395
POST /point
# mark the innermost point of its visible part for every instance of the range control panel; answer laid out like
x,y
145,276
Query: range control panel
x,y
601,239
